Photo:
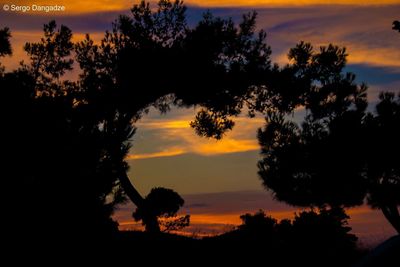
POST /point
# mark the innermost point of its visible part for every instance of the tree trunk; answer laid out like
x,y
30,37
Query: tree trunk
x,y
150,221
391,213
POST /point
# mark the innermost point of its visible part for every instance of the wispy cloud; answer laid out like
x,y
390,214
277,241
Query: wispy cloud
x,y
177,137
167,153
365,31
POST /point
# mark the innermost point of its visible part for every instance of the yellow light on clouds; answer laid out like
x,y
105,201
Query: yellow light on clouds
x,y
241,139
167,153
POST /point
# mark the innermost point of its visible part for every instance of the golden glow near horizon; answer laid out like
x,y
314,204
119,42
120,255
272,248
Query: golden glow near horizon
x,y
367,224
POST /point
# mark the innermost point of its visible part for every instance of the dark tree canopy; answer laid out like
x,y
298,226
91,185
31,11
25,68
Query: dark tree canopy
x,y
155,59
5,45
309,165
77,134
324,233
340,154
69,177
49,59
326,228
81,131
383,167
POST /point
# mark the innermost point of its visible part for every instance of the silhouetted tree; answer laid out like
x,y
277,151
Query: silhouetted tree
x,y
175,223
159,203
259,227
324,233
257,223
327,159
81,131
383,168
155,59
309,165
67,184
324,230
49,59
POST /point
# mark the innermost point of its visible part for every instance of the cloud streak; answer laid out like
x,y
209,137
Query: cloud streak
x,y
171,152
179,138
364,30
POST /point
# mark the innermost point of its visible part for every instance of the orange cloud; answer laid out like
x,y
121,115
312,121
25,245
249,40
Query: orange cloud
x,y
166,124
177,130
365,32
229,145
167,153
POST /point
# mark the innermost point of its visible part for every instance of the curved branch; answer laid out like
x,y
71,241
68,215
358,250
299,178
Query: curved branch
x,y
130,190
150,221
391,213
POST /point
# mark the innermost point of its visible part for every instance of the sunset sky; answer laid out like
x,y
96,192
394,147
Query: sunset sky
x,y
219,179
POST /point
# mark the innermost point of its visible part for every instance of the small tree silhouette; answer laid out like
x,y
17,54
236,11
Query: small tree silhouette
x,y
324,229
161,203
257,223
175,223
